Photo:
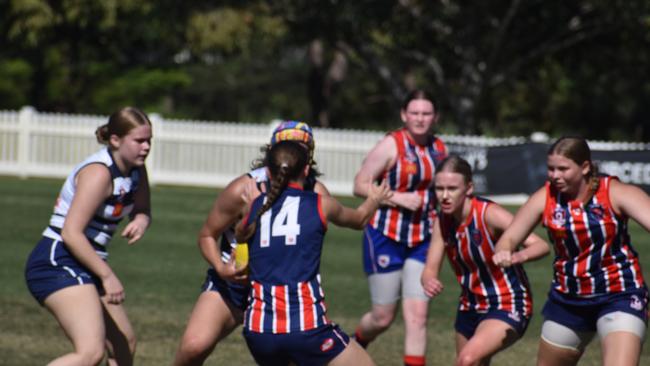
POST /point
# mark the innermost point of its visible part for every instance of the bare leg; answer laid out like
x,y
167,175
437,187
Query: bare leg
x,y
353,355
621,349
376,321
120,337
212,319
78,310
414,312
491,336
549,355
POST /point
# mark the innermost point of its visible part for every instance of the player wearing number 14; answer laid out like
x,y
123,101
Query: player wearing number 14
x,y
286,317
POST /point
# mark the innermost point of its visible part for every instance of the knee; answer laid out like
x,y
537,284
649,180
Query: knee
x,y
193,347
467,359
92,356
415,317
382,319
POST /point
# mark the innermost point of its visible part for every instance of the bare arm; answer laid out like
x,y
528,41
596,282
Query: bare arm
x,y
141,215
321,189
381,158
631,201
432,285
93,186
498,219
359,217
526,218
225,211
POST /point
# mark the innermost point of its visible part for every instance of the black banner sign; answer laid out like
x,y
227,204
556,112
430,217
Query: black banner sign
x,y
522,168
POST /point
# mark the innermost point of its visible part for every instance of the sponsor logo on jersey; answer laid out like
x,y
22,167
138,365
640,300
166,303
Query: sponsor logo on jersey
x,y
117,209
476,236
410,168
577,211
383,260
327,345
597,210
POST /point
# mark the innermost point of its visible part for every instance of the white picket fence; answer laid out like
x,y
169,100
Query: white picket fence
x,y
196,153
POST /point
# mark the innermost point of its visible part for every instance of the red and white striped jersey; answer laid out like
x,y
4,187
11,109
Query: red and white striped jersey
x,y
485,286
413,171
593,252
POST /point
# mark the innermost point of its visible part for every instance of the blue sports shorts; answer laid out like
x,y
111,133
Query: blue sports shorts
x,y
234,293
467,321
582,314
313,347
383,255
51,267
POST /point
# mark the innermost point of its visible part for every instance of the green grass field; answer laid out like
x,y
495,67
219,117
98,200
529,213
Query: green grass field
x,y
163,272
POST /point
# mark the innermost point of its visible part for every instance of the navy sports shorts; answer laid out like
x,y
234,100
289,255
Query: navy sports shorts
x,y
234,293
468,321
382,254
310,348
50,267
582,314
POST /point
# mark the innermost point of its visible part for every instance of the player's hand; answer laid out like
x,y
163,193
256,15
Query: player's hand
x,y
232,273
135,229
432,287
114,291
504,258
409,200
379,193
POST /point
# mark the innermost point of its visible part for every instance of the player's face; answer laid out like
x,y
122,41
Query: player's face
x,y
451,191
419,116
134,147
565,174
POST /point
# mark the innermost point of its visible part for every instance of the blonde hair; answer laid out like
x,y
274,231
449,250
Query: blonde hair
x,y
120,123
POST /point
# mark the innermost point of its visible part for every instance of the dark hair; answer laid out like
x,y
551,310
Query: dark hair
x,y
120,123
576,149
417,94
456,164
285,160
313,166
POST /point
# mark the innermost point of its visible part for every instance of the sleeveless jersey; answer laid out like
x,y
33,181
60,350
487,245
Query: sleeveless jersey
x,y
593,252
104,222
413,171
284,264
485,286
228,241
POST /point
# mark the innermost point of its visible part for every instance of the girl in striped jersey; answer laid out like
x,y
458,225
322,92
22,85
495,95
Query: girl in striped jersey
x,y
495,303
395,241
597,284
286,317
220,306
67,271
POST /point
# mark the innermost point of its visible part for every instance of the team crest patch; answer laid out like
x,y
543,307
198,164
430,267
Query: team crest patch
x,y
559,217
514,316
636,303
327,345
408,154
383,260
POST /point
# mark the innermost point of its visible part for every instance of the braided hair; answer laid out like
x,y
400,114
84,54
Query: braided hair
x,y
286,160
